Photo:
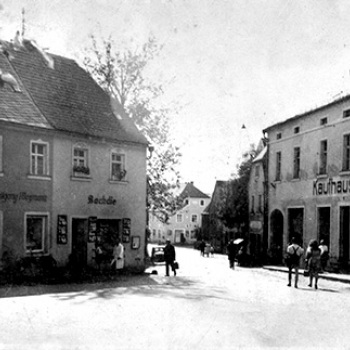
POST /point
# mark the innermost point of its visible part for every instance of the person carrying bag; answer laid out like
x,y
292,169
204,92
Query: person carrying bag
x,y
294,253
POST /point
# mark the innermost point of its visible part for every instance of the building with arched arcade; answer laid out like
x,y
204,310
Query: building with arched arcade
x,y
308,182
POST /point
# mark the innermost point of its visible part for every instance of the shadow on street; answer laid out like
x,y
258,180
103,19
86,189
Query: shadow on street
x,y
145,285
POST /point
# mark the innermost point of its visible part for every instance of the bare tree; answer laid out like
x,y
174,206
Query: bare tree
x,y
121,73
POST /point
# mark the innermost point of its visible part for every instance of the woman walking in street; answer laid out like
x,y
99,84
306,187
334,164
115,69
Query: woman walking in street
x,y
324,254
313,261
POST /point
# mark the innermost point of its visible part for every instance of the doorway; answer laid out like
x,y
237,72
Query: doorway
x,y
178,234
276,246
324,223
296,224
344,234
79,243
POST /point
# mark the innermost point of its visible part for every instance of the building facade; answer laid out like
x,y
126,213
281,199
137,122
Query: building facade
x,y
258,206
214,230
309,180
72,168
183,225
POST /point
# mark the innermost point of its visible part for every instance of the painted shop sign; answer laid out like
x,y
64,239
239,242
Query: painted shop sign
x,y
22,196
102,200
330,187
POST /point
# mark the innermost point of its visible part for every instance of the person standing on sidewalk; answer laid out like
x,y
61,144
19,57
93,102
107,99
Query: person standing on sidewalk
x,y
202,247
294,253
169,257
313,261
324,254
231,253
117,263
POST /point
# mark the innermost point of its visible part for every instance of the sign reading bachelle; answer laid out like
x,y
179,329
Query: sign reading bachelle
x,y
102,200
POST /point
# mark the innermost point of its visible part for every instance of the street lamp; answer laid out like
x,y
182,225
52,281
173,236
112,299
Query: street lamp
x,y
150,150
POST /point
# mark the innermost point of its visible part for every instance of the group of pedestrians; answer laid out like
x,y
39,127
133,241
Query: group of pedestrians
x,y
316,258
206,249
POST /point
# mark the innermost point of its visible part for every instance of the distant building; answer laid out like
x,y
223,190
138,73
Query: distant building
x,y
213,229
258,206
183,225
309,180
72,168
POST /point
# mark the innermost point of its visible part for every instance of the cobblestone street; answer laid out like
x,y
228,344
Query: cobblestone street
x,y
206,306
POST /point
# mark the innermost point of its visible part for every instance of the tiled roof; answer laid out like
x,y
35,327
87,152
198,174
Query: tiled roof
x,y
66,95
18,107
220,187
193,192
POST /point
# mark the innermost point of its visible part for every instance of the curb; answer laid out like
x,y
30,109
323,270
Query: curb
x,y
326,276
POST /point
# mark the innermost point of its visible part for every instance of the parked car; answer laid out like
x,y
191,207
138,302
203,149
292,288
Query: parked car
x,y
157,255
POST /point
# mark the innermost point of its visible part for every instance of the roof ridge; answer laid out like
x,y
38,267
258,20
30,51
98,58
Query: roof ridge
x,y
190,190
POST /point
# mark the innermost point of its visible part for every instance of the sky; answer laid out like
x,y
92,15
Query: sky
x,y
224,62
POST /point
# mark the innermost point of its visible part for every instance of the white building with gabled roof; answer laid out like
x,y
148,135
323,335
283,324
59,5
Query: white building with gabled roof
x,y
181,226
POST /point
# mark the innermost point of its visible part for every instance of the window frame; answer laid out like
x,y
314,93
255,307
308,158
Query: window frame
x,y
1,152
181,217
346,113
81,170
323,157
260,203
257,170
296,163
324,121
45,231
122,163
278,166
196,216
346,152
33,167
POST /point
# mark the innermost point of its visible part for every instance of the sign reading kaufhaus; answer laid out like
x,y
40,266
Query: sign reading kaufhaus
x,y
328,187
22,196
